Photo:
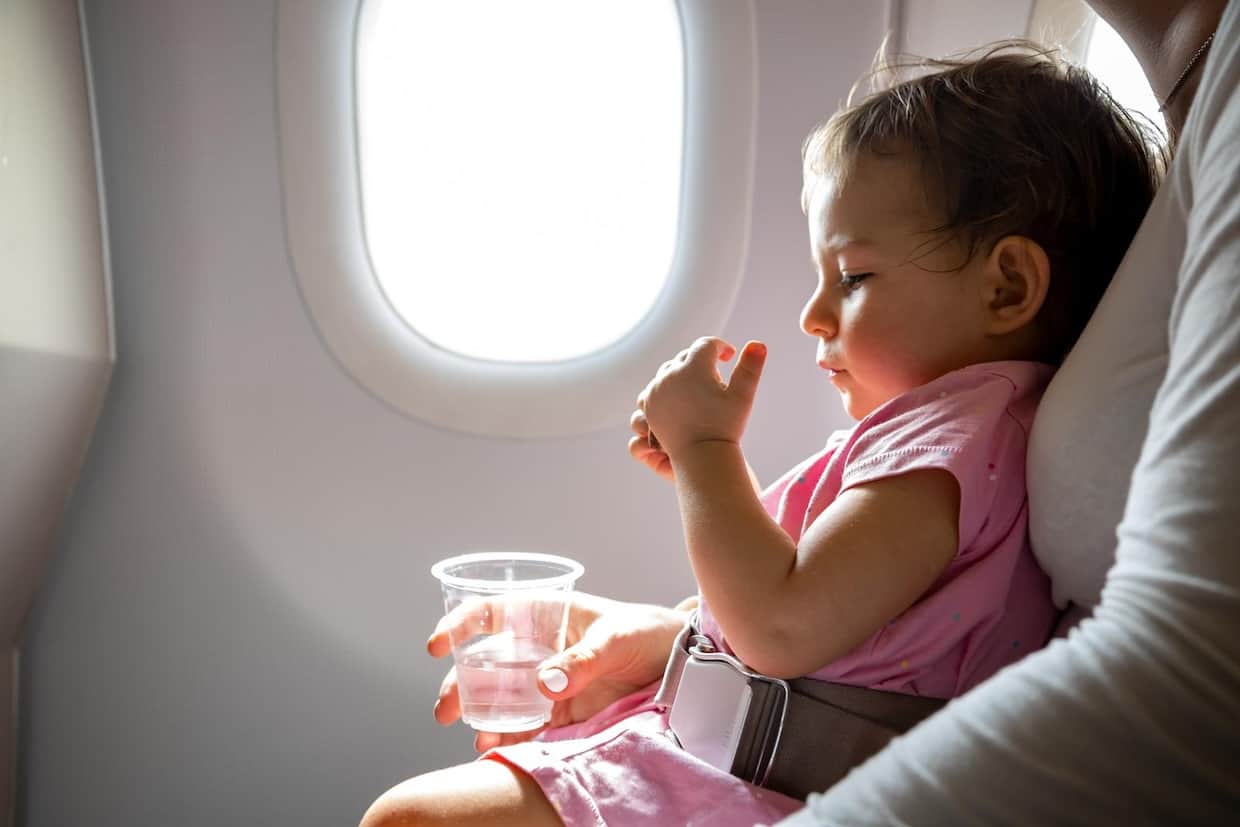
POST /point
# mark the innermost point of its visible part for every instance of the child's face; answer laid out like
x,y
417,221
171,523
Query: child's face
x,y
884,322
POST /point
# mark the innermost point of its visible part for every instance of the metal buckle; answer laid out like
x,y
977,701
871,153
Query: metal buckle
x,y
765,707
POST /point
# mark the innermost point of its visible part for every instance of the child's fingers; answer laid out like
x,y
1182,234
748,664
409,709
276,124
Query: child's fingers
x,y
638,423
712,347
653,458
640,450
748,371
646,442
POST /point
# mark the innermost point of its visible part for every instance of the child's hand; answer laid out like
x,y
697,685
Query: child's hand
x,y
646,449
688,402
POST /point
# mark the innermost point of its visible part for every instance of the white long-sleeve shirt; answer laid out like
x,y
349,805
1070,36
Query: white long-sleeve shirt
x,y
1134,718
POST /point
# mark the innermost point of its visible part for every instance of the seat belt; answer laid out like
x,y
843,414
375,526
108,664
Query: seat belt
x,y
794,737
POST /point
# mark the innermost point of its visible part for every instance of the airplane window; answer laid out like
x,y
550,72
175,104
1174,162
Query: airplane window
x,y
1110,59
501,229
520,169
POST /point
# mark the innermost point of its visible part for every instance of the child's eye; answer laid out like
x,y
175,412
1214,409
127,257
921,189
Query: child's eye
x,y
848,282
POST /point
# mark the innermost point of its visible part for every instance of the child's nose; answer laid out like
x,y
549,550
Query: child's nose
x,y
818,317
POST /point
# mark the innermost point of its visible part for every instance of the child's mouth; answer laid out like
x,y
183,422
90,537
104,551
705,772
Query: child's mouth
x,y
831,372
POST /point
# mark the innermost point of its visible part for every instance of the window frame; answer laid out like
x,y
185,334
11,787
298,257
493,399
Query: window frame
x,y
1068,23
316,107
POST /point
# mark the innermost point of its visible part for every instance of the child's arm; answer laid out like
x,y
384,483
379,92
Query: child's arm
x,y
787,609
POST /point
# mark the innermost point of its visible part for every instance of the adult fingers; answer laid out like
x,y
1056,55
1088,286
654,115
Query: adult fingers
x,y
474,617
518,613
570,672
448,705
484,741
627,647
748,371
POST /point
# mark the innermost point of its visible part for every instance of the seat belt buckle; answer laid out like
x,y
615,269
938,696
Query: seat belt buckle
x,y
721,712
708,714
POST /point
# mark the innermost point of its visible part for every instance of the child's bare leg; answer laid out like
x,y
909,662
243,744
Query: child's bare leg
x,y
479,793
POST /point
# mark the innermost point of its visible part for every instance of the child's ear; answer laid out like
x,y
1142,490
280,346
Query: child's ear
x,y
1014,285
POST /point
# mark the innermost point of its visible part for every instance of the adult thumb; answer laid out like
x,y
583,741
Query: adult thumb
x,y
748,370
570,672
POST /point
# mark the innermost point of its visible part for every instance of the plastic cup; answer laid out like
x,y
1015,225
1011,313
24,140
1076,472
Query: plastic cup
x,y
506,614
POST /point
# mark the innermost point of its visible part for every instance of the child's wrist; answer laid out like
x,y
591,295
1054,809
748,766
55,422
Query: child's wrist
x,y
706,451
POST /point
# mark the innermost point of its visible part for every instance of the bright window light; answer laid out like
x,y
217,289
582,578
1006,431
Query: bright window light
x,y
521,168
1112,62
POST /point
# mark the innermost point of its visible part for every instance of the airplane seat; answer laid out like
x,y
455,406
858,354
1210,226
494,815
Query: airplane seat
x,y
56,335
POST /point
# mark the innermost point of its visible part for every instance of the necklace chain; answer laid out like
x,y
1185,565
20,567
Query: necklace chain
x,y
1192,61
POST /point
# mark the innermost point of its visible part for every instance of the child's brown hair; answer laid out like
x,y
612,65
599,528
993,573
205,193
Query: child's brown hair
x,y
1013,142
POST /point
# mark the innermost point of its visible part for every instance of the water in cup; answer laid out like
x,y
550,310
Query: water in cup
x,y
497,678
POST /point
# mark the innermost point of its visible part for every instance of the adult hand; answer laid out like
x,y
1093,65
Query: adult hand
x,y
688,402
611,649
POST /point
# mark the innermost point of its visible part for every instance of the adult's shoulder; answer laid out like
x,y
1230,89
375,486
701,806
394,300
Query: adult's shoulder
x,y
1213,122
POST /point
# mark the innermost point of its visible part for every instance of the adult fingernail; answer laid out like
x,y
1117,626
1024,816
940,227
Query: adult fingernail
x,y
554,679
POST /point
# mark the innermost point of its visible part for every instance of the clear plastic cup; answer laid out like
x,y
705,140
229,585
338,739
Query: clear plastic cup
x,y
506,614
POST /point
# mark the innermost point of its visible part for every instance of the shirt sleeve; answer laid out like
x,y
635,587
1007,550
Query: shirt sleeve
x,y
963,424
1135,717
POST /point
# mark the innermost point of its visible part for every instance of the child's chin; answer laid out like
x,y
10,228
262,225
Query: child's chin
x,y
852,408
855,408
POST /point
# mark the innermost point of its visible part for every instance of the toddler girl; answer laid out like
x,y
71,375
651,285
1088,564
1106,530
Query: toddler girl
x,y
963,225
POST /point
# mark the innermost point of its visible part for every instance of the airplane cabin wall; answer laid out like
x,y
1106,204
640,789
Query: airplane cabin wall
x,y
232,629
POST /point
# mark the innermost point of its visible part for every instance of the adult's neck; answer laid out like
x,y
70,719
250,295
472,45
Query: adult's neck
x,y
1163,35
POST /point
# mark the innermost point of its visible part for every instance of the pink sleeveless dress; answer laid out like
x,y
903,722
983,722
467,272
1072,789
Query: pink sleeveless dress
x,y
990,606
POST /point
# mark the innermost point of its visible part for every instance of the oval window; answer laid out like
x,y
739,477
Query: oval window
x,y
1108,57
502,224
520,169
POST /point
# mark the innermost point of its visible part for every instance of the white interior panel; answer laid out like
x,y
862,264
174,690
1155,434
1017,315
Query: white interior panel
x,y
55,327
934,28
231,630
